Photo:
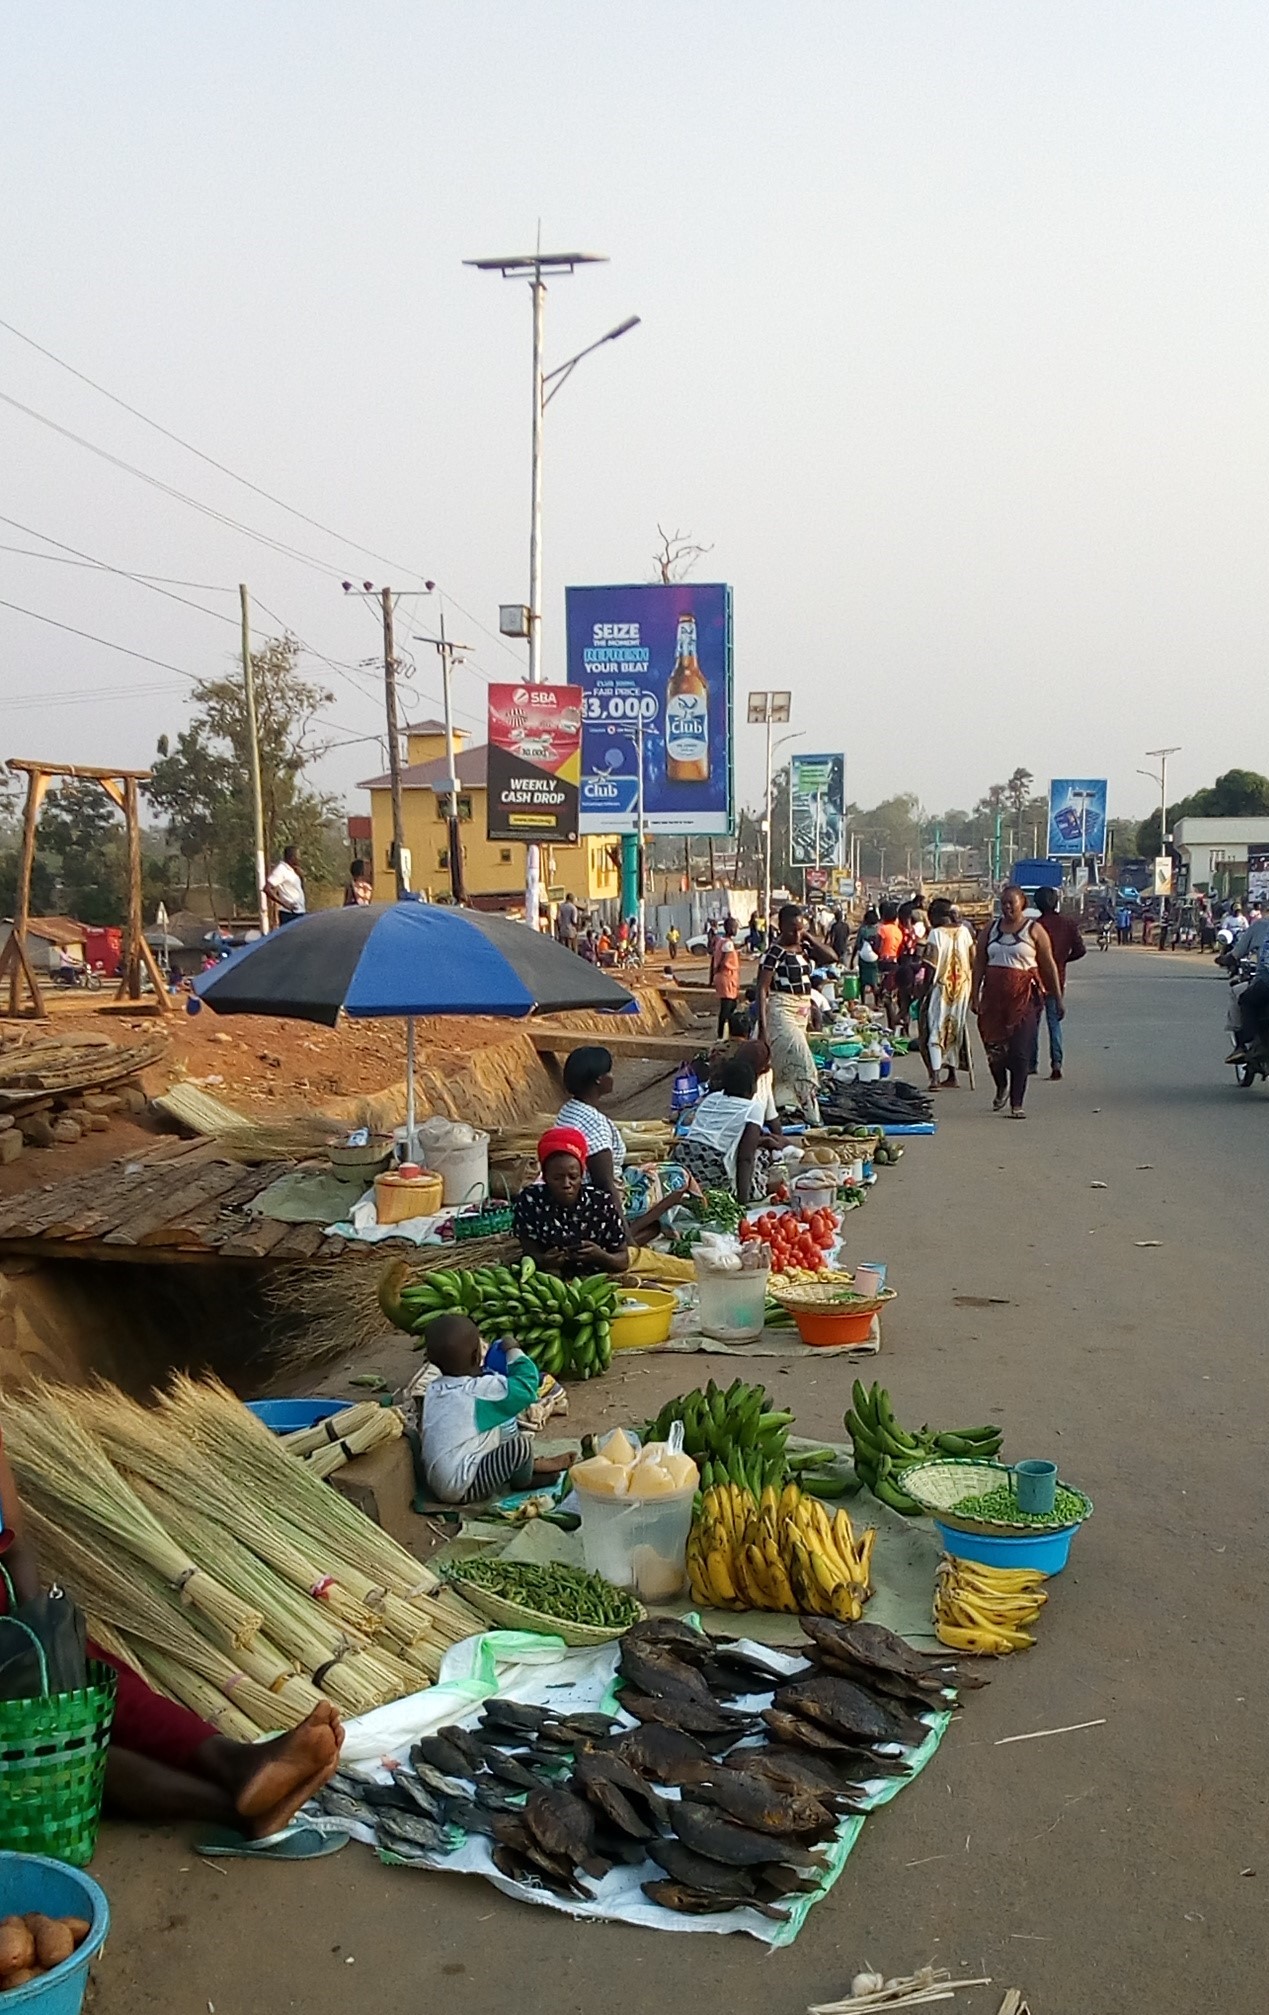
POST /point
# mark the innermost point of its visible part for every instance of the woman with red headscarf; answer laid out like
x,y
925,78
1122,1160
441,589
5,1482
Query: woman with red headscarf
x,y
565,1223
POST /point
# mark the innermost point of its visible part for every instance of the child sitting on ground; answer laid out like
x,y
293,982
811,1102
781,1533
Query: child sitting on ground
x,y
472,1447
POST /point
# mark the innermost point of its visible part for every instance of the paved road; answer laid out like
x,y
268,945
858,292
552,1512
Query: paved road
x,y
1107,1872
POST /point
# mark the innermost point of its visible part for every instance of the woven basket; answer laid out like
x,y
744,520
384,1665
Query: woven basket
x,y
53,1768
828,1297
940,1485
516,1616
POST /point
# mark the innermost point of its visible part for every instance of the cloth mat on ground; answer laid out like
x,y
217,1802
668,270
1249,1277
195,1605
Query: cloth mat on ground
x,y
543,1671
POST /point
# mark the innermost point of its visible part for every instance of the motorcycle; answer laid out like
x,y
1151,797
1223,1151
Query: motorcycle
x,y
1255,1062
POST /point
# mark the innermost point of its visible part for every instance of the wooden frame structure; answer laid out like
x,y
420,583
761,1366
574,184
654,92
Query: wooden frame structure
x,y
120,787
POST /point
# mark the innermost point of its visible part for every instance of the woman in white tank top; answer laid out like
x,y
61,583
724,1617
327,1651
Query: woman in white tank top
x,y
1014,968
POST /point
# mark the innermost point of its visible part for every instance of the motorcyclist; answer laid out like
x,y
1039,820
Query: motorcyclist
x,y
1253,1007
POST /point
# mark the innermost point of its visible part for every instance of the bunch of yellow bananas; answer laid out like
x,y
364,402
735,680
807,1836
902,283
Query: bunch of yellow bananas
x,y
984,1609
779,1551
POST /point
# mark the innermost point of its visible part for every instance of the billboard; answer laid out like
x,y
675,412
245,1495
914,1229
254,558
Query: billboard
x,y
654,666
817,810
1077,817
1258,875
535,737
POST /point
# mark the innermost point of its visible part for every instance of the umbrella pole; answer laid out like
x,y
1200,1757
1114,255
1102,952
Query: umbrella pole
x,y
409,1087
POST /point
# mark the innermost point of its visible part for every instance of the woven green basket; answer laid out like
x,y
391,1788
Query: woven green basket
x,y
53,1768
508,1615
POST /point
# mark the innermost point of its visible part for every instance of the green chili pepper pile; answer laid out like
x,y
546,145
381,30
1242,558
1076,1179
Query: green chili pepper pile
x,y
553,1590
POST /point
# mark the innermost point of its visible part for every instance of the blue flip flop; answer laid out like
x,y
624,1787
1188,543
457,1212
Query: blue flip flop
x,y
296,1843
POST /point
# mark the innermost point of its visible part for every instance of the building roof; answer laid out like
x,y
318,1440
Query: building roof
x,y
429,728
1192,831
57,930
472,766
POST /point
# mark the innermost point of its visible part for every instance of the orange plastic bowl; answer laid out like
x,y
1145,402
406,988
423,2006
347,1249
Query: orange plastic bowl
x,y
832,1326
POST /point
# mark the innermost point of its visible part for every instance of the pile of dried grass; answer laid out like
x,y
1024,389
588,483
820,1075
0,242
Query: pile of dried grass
x,y
337,1302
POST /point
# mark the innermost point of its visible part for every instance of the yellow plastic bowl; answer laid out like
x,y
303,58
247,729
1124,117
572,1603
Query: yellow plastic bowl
x,y
643,1318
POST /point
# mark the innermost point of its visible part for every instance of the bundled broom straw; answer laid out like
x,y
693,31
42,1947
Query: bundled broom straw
x,y
384,1424
138,1444
56,1462
148,1622
219,1566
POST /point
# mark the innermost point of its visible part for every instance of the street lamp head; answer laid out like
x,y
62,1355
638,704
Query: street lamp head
x,y
622,328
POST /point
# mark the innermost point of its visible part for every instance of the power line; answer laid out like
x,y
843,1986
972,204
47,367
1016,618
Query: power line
x,y
167,580
195,678
105,567
169,490
210,460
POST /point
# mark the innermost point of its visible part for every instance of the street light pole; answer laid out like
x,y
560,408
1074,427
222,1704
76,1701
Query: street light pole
x,y
449,656
1162,757
535,267
253,759
394,742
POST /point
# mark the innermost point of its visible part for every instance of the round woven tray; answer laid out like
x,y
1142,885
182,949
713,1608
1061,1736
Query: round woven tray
x,y
516,1616
827,1297
938,1487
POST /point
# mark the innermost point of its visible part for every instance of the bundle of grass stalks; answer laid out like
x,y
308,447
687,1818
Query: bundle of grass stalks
x,y
332,1443
244,1450
146,1621
143,1446
338,1303
59,1467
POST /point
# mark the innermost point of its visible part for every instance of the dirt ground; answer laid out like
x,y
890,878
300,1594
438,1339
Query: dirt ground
x,y
1117,1870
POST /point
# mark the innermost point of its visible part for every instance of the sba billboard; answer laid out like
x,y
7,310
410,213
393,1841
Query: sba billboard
x,y
1077,817
534,762
817,810
655,667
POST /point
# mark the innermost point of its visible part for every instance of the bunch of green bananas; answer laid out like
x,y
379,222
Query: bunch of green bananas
x,y
883,1449
735,1436
565,1325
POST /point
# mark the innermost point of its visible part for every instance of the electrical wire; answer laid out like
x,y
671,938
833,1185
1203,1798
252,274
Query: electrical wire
x,y
195,678
105,567
169,490
166,580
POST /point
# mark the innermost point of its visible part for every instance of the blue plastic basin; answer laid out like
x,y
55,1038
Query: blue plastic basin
x,y
1045,1553
288,1416
31,1882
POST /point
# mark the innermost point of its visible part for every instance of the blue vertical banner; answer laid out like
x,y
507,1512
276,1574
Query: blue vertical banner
x,y
1077,817
654,663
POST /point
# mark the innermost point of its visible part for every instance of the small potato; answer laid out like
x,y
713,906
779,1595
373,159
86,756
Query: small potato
x,y
53,1943
22,1978
17,1946
79,1928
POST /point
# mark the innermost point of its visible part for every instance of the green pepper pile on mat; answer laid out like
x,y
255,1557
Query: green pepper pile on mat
x,y
565,1325
717,1207
551,1588
883,1449
735,1436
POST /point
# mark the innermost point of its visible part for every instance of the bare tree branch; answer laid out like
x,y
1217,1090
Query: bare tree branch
x,y
678,554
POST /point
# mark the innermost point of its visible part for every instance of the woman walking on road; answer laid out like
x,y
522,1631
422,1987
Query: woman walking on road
x,y
944,1023
724,974
1014,968
784,1011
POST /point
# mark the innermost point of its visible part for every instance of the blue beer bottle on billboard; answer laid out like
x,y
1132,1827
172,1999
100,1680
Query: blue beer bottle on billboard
x,y
686,712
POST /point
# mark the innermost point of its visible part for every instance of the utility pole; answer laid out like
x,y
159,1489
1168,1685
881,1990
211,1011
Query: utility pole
x,y
253,759
449,656
394,740
1162,755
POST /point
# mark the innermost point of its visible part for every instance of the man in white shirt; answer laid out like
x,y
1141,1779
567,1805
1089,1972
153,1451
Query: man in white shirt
x,y
286,885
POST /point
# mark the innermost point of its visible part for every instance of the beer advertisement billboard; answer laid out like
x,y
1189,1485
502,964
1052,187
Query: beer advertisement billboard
x,y
535,737
817,810
654,665
1077,817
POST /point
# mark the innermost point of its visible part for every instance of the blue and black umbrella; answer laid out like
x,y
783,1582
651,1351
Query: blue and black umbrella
x,y
407,959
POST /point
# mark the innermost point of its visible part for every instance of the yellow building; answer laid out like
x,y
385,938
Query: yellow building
x,y
493,870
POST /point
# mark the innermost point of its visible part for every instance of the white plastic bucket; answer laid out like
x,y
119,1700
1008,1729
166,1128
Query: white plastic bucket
x,y
868,1069
458,1153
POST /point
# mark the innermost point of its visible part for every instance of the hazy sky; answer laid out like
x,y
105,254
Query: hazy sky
x,y
953,347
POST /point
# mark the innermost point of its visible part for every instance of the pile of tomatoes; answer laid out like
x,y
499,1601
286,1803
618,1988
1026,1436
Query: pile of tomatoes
x,y
796,1237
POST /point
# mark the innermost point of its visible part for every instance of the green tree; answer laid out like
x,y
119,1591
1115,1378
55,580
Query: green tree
x,y
81,836
1237,794
200,784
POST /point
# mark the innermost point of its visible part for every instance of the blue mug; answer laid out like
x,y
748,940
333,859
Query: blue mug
x,y
1035,1486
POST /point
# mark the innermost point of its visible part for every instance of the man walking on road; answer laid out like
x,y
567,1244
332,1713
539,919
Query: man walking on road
x,y
566,924
1067,944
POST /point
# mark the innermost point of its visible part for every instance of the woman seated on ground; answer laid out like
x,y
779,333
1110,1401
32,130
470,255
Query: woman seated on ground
x,y
565,1223
725,1148
165,1764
